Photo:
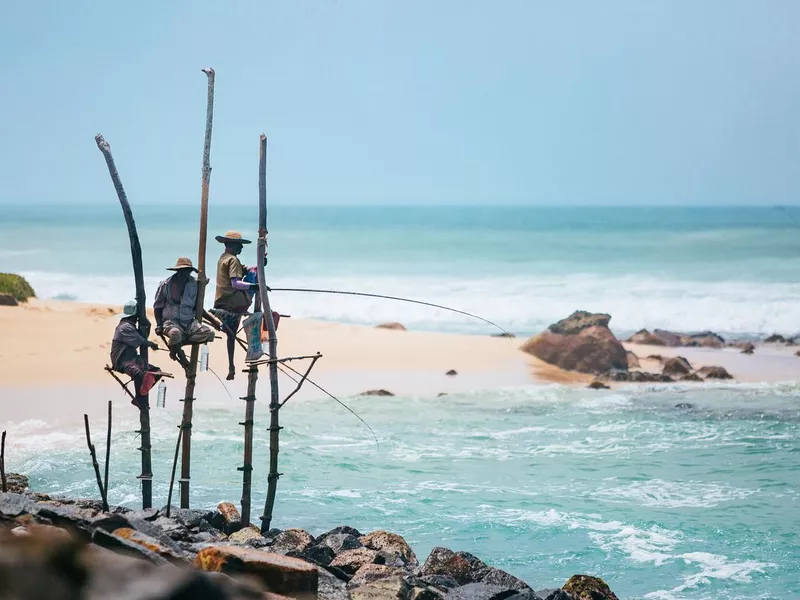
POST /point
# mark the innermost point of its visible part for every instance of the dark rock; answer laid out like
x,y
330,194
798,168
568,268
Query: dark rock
x,y
125,547
598,385
558,594
392,326
339,542
373,572
169,551
582,342
633,360
748,348
331,587
635,376
319,555
452,372
669,338
579,321
16,483
441,582
226,518
392,545
691,377
714,373
8,300
676,367
173,529
505,334
684,405
645,337
154,531
706,339
463,567
292,540
442,394
13,505
657,357
145,514
425,593
797,353
337,530
350,561
586,587
190,517
480,591
377,393
206,527
775,338
503,579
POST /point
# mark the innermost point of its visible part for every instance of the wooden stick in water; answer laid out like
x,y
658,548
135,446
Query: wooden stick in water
x,y
94,462
191,371
108,451
174,466
3,463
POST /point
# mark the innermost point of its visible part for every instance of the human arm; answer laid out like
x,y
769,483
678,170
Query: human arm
x,y
158,307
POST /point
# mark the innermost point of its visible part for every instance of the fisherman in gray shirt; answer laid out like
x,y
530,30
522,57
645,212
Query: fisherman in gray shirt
x,y
175,307
125,356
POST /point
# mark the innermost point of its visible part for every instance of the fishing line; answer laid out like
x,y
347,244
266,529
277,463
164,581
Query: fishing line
x,y
323,390
399,299
220,381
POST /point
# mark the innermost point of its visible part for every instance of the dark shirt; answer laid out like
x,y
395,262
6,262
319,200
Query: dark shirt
x,y
125,343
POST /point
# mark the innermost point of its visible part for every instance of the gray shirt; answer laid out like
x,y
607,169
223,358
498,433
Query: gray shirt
x,y
182,312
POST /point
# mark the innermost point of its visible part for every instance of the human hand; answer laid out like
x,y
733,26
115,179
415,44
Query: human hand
x,y
159,330
153,345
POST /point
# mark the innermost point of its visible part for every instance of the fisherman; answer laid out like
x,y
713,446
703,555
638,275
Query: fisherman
x,y
125,357
234,292
175,309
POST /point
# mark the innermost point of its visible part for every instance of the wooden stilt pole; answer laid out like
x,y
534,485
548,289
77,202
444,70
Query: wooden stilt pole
x,y
3,464
247,466
94,463
143,324
108,451
202,280
174,466
274,401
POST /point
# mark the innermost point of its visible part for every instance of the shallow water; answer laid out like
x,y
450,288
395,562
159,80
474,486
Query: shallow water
x,y
699,502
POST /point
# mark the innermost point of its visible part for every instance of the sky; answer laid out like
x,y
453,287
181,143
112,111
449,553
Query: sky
x,y
640,102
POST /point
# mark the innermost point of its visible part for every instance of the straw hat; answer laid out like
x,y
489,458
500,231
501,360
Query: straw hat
x,y
233,237
182,263
129,310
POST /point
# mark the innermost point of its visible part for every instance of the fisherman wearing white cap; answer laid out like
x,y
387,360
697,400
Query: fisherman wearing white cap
x,y
175,308
125,353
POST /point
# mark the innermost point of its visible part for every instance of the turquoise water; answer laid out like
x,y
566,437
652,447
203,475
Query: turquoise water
x,y
543,481
733,270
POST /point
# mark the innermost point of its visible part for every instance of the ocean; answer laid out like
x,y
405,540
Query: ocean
x,y
544,481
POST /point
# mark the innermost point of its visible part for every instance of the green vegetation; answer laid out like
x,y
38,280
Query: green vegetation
x,y
15,285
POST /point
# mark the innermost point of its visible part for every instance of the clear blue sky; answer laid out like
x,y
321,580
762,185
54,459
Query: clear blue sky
x,y
412,101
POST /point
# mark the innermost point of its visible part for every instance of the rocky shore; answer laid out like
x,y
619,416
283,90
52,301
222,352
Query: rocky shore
x,y
56,547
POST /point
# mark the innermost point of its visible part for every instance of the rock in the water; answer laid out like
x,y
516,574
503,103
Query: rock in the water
x,y
748,348
657,357
372,572
714,373
377,393
633,360
442,394
464,568
480,591
244,535
392,326
281,574
586,587
645,337
452,373
684,405
385,588
676,367
16,483
705,339
350,561
581,342
292,540
391,544
598,385
691,377
669,338
635,376
775,338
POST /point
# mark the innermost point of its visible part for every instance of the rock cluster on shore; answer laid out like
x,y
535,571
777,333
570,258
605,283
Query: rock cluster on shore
x,y
583,342
55,547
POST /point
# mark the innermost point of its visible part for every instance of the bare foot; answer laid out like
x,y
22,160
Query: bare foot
x,y
231,374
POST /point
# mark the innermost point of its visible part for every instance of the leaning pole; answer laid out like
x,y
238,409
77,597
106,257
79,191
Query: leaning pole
x,y
202,280
146,476
274,403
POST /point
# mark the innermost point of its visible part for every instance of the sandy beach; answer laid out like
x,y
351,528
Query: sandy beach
x,y
53,350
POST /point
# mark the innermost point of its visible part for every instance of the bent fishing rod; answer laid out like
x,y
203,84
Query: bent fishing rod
x,y
397,298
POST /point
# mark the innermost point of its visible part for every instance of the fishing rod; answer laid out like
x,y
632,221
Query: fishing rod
x,y
399,299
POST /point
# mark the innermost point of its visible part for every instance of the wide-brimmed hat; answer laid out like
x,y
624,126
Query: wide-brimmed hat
x,y
182,263
233,237
129,310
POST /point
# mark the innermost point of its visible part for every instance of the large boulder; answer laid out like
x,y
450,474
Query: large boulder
x,y
292,541
16,483
464,568
391,545
706,339
633,360
714,373
350,561
676,367
8,300
581,342
645,337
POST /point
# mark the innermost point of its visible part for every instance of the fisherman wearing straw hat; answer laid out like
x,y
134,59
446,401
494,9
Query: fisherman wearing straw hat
x,y
175,307
125,356
234,294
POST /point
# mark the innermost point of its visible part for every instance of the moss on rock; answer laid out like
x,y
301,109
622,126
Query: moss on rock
x,y
16,286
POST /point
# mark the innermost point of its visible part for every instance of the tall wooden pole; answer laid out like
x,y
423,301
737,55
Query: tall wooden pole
x,y
274,402
249,414
94,463
108,451
3,487
202,280
143,324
